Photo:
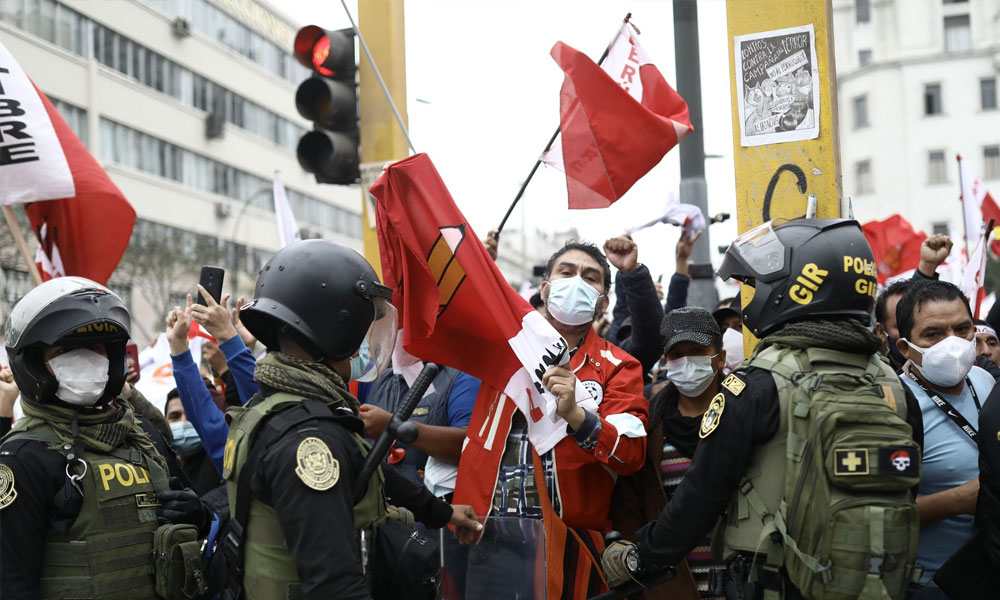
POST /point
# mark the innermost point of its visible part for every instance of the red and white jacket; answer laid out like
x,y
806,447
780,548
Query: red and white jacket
x,y
584,478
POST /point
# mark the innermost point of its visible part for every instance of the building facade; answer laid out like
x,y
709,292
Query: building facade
x,y
189,106
917,85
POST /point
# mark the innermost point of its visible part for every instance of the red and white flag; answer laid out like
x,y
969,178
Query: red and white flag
x,y
44,164
977,203
975,272
47,256
616,123
455,307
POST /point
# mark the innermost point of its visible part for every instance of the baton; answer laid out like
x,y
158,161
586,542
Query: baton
x,y
637,587
398,428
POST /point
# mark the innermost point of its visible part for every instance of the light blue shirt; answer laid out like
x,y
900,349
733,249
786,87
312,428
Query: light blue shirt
x,y
950,458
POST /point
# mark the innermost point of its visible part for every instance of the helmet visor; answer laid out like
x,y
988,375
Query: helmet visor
x,y
761,249
379,340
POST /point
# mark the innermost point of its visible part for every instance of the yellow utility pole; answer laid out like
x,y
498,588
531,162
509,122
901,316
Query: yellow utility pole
x,y
381,24
784,94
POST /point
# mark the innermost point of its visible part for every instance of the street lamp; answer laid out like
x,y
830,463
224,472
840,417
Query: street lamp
x,y
244,204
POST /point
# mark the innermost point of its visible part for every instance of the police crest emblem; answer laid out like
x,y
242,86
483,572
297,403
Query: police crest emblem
x,y
710,420
7,492
315,464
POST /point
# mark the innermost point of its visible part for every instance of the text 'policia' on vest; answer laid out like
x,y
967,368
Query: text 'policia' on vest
x,y
807,449
80,467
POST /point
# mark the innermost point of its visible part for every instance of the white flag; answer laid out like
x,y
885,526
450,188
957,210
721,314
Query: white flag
x,y
288,231
33,165
975,271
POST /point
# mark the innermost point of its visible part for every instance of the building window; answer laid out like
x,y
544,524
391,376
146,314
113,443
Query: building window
x,y
957,33
862,11
991,162
936,167
932,99
988,93
939,228
863,177
860,112
955,1
864,58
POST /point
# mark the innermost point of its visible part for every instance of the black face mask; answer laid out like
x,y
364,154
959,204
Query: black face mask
x,y
894,352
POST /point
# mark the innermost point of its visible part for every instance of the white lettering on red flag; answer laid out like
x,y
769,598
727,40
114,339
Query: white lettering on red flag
x,y
33,166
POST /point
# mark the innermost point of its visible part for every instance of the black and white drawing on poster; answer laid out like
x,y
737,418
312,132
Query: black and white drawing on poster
x,y
777,87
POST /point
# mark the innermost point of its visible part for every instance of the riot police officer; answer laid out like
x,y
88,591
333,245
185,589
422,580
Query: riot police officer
x,y
294,450
82,487
817,361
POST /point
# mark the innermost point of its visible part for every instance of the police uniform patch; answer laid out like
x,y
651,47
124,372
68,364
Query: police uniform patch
x,y
851,462
7,492
146,501
315,464
734,384
420,411
710,420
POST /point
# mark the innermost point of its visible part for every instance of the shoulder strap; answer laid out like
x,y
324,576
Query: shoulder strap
x,y
274,426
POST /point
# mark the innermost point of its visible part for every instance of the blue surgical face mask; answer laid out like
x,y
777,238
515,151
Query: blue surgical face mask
x,y
186,439
894,351
572,301
362,365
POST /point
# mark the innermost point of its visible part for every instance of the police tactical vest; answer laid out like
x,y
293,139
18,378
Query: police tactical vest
x,y
269,568
827,501
386,392
107,552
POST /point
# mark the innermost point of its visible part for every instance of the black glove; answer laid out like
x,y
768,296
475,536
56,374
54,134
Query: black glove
x,y
182,505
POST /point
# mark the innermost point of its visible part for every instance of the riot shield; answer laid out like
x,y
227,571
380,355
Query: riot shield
x,y
507,563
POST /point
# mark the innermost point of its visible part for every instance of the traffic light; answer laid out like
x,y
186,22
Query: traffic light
x,y
330,100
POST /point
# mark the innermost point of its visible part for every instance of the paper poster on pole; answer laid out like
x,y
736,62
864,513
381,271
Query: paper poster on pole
x,y
777,86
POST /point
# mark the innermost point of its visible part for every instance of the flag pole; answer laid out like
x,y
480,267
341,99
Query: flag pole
x,y
961,195
981,292
22,245
552,140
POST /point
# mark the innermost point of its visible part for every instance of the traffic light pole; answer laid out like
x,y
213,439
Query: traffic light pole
x,y
383,125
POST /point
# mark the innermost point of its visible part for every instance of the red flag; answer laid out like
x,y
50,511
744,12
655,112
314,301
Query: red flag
x,y
615,128
455,306
895,244
92,228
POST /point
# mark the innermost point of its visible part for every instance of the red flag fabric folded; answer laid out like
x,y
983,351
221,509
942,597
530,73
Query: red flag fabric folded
x,y
895,244
45,166
455,307
92,228
615,128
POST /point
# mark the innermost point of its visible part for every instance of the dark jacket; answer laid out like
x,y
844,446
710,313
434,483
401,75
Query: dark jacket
x,y
636,297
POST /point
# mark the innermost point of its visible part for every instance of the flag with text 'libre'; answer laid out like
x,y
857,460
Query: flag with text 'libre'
x,y
616,122
455,307
45,166
895,244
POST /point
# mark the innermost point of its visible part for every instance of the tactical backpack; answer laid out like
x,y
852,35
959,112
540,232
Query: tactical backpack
x,y
831,492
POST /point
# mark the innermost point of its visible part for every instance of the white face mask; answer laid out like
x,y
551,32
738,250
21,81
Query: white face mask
x,y
82,375
947,362
572,301
732,343
691,374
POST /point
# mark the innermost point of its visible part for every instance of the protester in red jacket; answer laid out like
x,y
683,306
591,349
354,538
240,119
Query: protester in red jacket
x,y
497,473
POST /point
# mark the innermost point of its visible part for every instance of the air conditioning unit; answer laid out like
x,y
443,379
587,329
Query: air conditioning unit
x,y
213,125
182,28
223,209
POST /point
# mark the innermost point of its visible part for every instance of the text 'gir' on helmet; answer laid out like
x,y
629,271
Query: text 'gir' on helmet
x,y
327,298
803,269
68,312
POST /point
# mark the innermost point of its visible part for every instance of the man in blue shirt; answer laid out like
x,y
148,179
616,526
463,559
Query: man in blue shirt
x,y
937,338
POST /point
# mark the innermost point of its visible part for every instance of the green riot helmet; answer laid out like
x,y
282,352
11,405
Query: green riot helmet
x,y
328,298
802,269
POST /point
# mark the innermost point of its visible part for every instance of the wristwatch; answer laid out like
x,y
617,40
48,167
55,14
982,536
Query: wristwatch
x,y
632,562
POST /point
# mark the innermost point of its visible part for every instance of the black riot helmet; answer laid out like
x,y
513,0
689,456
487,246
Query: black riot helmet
x,y
802,269
66,311
327,298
